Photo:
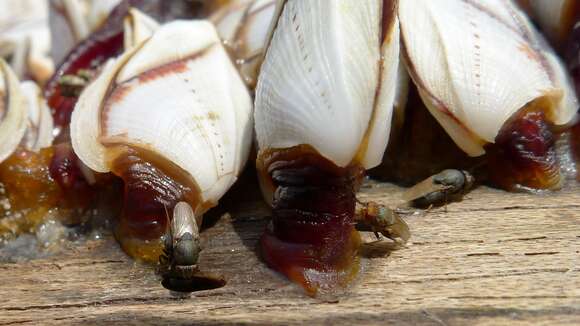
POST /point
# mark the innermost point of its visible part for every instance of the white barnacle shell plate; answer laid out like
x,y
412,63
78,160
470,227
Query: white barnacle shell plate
x,y
478,62
179,95
319,81
25,118
246,22
13,112
40,124
137,27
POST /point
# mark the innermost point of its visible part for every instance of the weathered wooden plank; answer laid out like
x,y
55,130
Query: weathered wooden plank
x,y
494,258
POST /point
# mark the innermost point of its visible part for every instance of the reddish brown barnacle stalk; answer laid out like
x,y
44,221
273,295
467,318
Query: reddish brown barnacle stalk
x,y
524,156
311,239
65,168
152,187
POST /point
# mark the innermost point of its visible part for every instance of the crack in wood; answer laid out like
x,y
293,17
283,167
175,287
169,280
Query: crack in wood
x,y
16,322
483,254
524,239
541,253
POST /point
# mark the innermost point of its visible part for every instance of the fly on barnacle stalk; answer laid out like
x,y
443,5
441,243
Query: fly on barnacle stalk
x,y
182,246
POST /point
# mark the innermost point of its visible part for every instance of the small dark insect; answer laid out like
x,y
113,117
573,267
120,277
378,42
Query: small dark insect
x,y
72,85
178,263
377,218
448,185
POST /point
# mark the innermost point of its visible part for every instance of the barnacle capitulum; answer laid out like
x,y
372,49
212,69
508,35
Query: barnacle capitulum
x,y
173,121
324,102
493,85
25,39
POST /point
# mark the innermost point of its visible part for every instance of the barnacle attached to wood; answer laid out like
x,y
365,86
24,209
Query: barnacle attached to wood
x,y
174,122
324,102
493,85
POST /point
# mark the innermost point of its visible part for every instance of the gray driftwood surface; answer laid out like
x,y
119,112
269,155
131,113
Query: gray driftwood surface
x,y
495,258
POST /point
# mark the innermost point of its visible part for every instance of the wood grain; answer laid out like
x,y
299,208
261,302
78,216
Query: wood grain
x,y
495,258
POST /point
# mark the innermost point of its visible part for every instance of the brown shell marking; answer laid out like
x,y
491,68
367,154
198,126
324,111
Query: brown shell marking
x,y
118,92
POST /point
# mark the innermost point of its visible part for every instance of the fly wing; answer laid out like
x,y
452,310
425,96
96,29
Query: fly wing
x,y
183,221
422,189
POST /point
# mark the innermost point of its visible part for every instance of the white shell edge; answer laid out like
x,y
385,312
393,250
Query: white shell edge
x,y
13,125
